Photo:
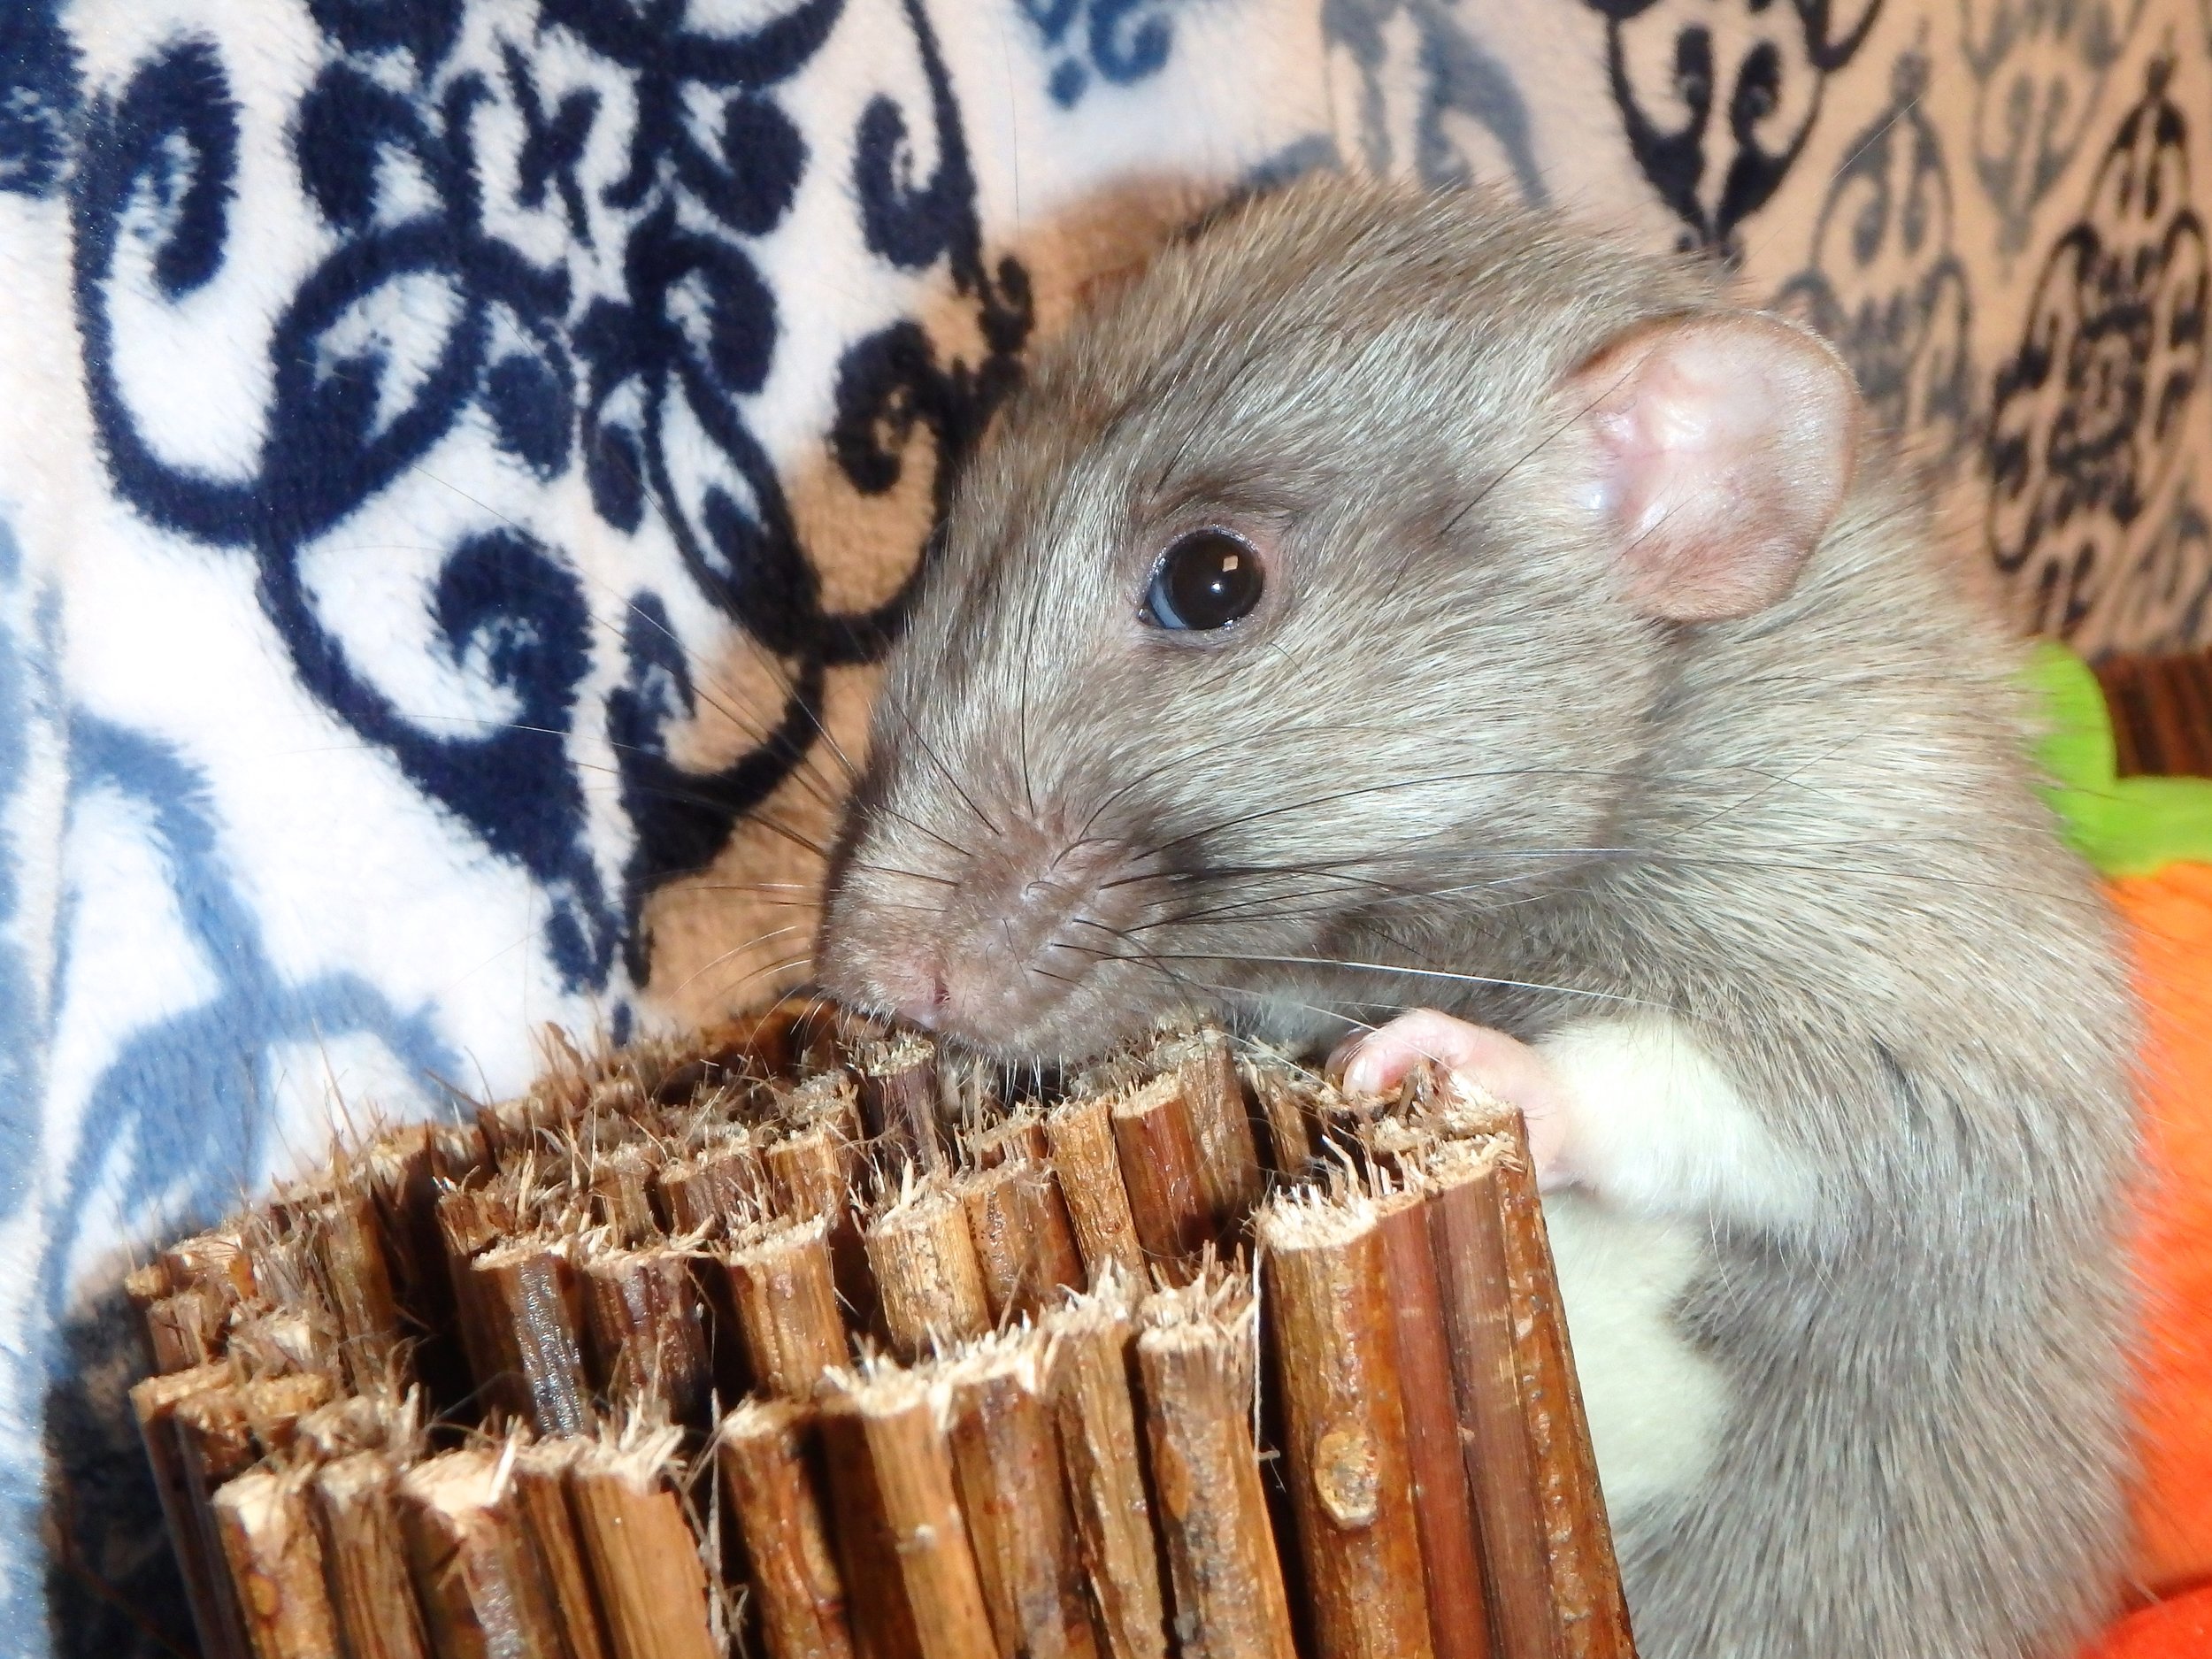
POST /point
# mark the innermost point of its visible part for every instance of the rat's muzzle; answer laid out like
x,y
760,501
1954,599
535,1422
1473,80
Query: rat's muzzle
x,y
1007,948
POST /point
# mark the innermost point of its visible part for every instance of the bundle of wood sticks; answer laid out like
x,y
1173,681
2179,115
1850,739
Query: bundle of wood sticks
x,y
2162,713
801,1341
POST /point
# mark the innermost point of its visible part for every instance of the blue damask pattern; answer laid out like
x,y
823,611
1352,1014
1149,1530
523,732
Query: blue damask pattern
x,y
1450,76
388,146
38,95
28,627
179,1117
177,1123
538,236
186,1101
1118,42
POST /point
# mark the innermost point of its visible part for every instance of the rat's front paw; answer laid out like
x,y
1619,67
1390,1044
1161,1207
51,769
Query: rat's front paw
x,y
1473,1058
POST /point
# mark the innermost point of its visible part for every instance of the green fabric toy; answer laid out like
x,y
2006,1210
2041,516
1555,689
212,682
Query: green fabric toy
x,y
2126,826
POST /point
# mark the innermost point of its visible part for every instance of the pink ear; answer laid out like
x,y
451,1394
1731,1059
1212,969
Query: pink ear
x,y
1724,444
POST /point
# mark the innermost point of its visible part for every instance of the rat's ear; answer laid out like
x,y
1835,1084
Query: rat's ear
x,y
1723,444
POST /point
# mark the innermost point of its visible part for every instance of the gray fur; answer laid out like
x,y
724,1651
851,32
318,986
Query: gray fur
x,y
1446,741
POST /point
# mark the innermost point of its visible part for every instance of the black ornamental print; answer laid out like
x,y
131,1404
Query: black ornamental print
x,y
2087,417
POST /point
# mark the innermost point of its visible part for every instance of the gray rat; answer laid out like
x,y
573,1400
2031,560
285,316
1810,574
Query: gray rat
x,y
1391,599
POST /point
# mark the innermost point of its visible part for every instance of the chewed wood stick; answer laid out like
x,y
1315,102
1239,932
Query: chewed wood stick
x,y
1466,1233
355,1281
1087,1363
783,1286
762,1452
356,1504
1351,1478
186,1329
1213,1095
1006,1457
1019,1134
1283,1097
1584,1579
902,1426
645,1565
1080,1137
714,1188
813,1173
881,1614
540,1472
1196,1361
532,1306
898,1099
648,1338
1024,1242
207,1583
476,1573
1451,1547
276,1565
927,1278
1158,1149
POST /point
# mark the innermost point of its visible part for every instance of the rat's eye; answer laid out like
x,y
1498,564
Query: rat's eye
x,y
1206,579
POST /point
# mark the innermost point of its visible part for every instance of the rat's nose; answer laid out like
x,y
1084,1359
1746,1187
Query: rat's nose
x,y
1022,923
916,990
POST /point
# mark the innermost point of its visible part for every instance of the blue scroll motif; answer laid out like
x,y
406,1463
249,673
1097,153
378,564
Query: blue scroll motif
x,y
38,95
386,145
1449,77
1117,42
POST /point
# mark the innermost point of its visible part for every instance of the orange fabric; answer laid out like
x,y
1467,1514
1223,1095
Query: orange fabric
x,y
2178,1628
2170,914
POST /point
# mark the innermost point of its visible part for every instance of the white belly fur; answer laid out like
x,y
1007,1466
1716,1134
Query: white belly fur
x,y
1655,1405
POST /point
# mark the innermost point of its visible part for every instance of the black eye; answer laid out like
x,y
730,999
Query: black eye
x,y
1206,579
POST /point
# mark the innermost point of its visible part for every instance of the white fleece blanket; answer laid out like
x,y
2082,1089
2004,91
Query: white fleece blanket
x,y
452,452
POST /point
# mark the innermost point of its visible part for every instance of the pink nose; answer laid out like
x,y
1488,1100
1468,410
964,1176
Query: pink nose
x,y
987,959
917,990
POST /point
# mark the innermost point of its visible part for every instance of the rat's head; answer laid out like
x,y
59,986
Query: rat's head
x,y
1315,591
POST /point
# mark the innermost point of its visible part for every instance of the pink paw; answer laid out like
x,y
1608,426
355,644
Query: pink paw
x,y
1473,1057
